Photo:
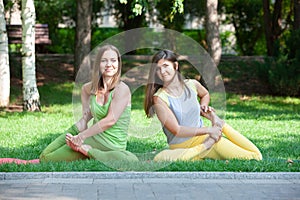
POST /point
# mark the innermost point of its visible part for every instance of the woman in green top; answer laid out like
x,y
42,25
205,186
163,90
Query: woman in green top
x,y
107,101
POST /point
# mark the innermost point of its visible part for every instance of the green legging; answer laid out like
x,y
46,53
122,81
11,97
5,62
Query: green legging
x,y
58,150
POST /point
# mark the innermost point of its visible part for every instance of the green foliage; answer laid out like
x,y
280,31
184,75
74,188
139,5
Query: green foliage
x,y
53,12
63,41
247,19
195,8
129,14
282,72
101,34
174,20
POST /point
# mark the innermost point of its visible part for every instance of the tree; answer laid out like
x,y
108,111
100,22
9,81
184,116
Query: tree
x,y
177,7
4,61
275,22
83,32
31,97
125,16
296,14
246,17
212,31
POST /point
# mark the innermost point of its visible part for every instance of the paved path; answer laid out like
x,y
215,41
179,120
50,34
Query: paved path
x,y
149,185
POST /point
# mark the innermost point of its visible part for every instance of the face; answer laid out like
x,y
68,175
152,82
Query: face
x,y
166,70
109,63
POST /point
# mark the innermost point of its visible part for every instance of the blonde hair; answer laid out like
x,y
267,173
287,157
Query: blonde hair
x,y
97,78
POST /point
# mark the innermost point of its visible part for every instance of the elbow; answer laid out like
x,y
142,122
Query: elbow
x,y
176,131
106,123
111,121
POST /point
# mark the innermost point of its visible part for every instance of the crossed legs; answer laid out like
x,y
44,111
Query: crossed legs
x,y
235,145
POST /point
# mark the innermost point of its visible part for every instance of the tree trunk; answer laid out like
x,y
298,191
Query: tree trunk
x,y
296,14
268,27
15,13
31,97
272,22
4,61
212,31
83,32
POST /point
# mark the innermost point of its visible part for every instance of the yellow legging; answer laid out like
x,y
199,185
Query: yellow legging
x,y
234,146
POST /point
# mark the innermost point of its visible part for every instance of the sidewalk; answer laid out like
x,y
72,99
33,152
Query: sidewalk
x,y
149,185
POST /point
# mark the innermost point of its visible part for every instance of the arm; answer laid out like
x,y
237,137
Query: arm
x,y
169,121
120,100
207,111
86,112
202,93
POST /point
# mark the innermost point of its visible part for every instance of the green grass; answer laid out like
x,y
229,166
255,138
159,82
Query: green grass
x,y
272,123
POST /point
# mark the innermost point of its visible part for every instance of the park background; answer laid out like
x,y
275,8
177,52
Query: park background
x,y
261,78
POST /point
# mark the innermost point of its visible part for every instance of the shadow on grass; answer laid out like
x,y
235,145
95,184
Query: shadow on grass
x,y
53,93
282,146
276,158
50,94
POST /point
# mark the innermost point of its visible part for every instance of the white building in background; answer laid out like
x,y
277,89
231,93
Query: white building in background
x,y
228,46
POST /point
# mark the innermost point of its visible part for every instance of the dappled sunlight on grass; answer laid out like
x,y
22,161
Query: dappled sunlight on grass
x,y
52,93
263,107
271,123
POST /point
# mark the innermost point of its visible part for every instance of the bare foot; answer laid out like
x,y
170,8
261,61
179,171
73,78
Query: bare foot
x,y
70,143
217,121
214,118
84,148
209,142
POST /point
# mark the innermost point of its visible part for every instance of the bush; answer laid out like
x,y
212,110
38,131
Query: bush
x,y
62,41
101,34
283,76
282,72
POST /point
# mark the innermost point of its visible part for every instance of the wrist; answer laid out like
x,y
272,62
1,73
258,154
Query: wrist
x,y
81,136
83,120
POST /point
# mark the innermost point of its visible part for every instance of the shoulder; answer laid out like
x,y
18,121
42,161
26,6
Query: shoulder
x,y
161,95
87,87
122,87
122,90
192,84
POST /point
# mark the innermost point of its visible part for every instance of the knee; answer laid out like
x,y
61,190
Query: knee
x,y
259,156
73,130
42,157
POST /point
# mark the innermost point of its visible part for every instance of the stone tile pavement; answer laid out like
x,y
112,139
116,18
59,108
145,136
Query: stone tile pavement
x,y
149,185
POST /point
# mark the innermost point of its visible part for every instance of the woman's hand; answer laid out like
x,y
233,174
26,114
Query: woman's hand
x,y
76,140
215,132
206,108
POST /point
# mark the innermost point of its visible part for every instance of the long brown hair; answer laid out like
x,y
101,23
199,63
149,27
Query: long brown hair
x,y
154,82
97,78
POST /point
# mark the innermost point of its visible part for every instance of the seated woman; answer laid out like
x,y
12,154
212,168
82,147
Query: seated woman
x,y
175,102
107,101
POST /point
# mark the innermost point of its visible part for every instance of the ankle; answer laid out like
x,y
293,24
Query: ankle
x,y
209,143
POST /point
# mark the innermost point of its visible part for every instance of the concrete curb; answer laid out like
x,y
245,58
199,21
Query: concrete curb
x,y
145,175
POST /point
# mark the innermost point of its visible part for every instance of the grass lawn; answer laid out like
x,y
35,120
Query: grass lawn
x,y
272,123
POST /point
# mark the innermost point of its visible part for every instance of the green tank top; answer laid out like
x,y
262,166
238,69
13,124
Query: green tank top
x,y
114,138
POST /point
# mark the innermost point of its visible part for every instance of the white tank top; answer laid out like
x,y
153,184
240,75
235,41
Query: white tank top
x,y
186,109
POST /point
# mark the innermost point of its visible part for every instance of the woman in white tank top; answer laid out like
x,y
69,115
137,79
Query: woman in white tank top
x,y
175,102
